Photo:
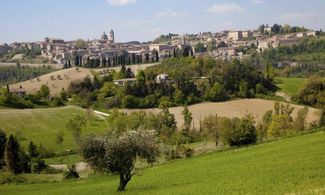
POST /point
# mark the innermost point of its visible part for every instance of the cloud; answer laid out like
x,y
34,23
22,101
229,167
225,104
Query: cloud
x,y
169,14
121,2
258,1
297,16
225,8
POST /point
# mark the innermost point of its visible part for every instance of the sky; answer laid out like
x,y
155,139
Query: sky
x,y
144,20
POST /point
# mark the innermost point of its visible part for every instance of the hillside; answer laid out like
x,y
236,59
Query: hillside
x,y
56,81
290,86
42,125
236,108
293,165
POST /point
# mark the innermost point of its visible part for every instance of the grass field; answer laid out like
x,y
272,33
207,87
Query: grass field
x,y
42,125
290,86
292,165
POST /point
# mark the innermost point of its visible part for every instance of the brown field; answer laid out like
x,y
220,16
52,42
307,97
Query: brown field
x,y
236,108
55,82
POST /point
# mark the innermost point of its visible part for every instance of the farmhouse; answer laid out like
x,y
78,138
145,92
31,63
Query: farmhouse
x,y
18,91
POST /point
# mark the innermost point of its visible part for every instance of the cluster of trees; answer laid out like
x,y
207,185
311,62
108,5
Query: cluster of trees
x,y
279,122
164,38
192,80
18,73
16,159
309,56
122,58
281,29
28,56
41,99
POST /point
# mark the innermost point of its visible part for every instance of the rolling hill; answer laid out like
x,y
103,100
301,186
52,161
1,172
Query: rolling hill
x,y
288,166
42,125
56,81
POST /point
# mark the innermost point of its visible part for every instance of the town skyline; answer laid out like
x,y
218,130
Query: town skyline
x,y
49,19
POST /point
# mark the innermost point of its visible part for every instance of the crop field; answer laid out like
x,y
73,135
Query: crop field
x,y
235,108
291,165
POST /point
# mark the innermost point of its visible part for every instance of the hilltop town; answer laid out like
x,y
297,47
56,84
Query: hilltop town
x,y
106,52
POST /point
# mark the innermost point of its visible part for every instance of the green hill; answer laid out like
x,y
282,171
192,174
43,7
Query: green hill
x,y
42,125
293,165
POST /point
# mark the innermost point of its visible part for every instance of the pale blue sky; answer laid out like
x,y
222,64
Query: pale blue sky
x,y
143,20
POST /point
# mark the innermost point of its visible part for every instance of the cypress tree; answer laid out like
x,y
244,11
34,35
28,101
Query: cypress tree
x,y
3,142
13,159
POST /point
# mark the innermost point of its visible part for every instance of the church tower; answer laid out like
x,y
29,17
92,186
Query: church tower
x,y
111,36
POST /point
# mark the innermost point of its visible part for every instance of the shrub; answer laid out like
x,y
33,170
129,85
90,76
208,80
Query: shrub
x,y
188,152
237,132
38,165
12,179
71,173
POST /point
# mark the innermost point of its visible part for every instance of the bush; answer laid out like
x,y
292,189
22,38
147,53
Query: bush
x,y
171,153
38,165
237,132
188,152
71,173
12,179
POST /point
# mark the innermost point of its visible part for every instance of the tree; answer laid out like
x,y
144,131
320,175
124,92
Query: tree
x,y
322,117
3,142
13,159
212,45
44,91
32,150
216,93
279,126
200,48
81,44
75,125
286,28
187,115
210,128
118,154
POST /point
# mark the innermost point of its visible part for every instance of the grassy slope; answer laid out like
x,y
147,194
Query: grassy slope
x,y
41,125
290,165
290,86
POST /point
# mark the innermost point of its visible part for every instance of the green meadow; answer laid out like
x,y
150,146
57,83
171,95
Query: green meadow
x,y
290,86
42,125
291,165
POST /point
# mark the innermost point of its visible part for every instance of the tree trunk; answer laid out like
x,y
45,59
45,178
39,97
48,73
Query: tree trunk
x,y
123,182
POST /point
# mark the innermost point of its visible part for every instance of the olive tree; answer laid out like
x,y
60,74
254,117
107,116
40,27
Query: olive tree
x,y
119,153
